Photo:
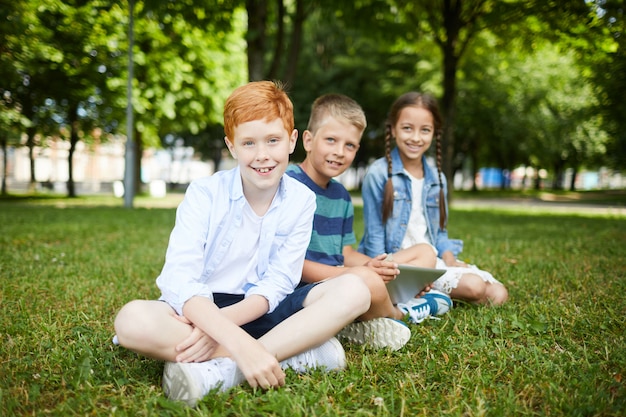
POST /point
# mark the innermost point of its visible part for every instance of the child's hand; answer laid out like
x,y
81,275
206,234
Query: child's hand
x,y
425,290
451,260
384,266
198,347
458,263
260,368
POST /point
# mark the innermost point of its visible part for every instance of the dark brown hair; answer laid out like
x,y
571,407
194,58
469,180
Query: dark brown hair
x,y
429,103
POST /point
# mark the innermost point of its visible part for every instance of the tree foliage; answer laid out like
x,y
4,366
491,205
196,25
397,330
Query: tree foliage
x,y
520,82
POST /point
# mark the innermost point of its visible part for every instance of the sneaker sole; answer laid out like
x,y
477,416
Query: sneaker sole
x,y
377,333
178,385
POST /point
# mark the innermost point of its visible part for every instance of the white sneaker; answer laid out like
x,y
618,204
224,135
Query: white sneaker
x,y
329,355
190,382
377,333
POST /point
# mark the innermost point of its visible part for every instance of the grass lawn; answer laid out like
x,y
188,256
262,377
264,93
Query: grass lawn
x,y
556,348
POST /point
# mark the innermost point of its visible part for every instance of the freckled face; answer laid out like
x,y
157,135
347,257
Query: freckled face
x,y
414,132
262,151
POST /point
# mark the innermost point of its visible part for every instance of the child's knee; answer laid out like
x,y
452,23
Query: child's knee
x,y
356,292
497,294
472,288
129,321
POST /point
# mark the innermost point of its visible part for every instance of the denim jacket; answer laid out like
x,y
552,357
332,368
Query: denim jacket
x,y
387,238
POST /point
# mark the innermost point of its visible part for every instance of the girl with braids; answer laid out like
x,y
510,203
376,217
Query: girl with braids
x,y
403,176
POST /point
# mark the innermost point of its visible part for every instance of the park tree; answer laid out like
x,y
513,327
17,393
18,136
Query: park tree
x,y
76,79
188,57
274,38
526,106
57,77
604,54
475,55
22,41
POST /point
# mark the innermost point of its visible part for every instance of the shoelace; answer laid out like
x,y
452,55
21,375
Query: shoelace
x,y
417,312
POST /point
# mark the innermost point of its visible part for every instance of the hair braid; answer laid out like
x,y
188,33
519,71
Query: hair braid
x,y
388,193
442,201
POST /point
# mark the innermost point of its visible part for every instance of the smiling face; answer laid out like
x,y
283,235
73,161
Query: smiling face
x,y
414,131
262,150
330,149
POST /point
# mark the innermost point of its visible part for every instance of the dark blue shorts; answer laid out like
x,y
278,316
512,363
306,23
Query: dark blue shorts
x,y
257,328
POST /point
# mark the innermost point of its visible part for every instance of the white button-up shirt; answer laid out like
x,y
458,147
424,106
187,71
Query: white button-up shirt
x,y
206,222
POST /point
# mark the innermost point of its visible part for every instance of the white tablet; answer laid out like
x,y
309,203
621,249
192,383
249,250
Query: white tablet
x,y
410,281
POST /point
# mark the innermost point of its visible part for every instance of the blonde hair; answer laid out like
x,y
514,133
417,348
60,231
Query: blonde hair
x,y
338,106
258,100
429,103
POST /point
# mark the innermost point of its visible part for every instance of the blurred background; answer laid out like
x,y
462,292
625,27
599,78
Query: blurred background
x,y
532,92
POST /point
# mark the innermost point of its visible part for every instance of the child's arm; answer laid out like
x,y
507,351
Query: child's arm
x,y
260,368
199,346
450,260
373,242
387,270
315,271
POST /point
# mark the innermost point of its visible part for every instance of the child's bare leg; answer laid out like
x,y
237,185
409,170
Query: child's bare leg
x,y
381,305
422,255
471,288
328,308
497,294
150,328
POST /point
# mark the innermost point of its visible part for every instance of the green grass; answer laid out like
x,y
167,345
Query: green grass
x,y
557,347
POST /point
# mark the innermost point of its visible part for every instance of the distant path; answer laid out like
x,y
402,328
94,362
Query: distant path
x,y
531,205
538,205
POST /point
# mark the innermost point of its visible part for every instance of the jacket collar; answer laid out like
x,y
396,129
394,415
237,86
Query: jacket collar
x,y
430,174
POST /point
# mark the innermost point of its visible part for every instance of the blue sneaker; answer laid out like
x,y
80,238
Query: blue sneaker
x,y
433,303
418,309
377,333
439,302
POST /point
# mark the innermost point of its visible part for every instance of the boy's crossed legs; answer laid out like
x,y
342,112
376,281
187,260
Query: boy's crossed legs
x,y
152,328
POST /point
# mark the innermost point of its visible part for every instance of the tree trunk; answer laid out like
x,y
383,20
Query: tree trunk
x,y
5,170
296,44
572,183
255,37
30,143
557,183
71,187
274,70
537,180
452,26
138,155
474,173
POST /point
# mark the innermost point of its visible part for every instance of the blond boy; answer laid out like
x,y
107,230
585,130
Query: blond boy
x,y
331,142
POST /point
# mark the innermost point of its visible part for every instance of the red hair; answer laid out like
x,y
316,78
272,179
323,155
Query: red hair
x,y
258,100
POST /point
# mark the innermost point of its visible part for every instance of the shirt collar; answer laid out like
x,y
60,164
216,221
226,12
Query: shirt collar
x,y
236,187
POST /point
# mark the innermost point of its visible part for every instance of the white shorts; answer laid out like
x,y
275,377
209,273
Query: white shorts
x,y
450,280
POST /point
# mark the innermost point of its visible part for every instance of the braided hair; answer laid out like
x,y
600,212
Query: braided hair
x,y
429,103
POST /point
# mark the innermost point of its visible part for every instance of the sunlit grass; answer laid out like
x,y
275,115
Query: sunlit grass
x,y
557,348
